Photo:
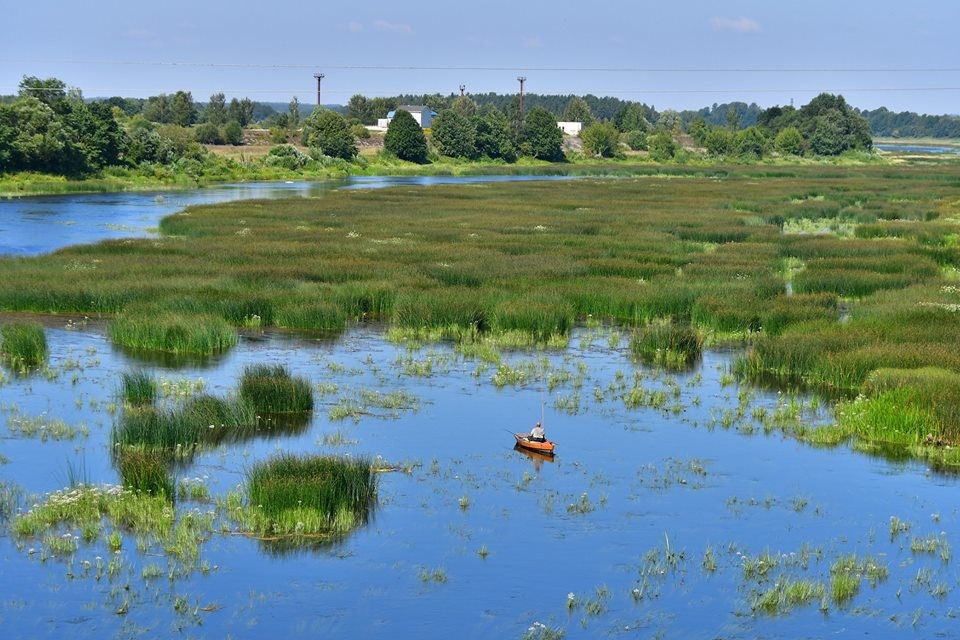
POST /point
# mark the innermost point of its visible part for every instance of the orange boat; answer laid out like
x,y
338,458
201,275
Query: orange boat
x,y
523,439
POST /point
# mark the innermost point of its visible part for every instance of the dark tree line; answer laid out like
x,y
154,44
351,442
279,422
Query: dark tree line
x,y
907,124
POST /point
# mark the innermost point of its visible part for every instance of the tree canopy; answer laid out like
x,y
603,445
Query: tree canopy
x,y
542,138
405,139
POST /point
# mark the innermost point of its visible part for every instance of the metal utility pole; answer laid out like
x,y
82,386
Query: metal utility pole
x,y
522,79
462,87
319,77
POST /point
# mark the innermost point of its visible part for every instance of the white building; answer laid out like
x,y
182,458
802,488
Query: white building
x,y
570,128
423,115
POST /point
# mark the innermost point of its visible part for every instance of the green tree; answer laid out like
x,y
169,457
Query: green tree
x,y
293,111
601,139
241,111
183,111
789,142
543,137
494,137
662,146
158,109
454,134
718,141
636,140
379,108
216,112
405,139
733,118
578,111
359,107
632,118
669,120
329,132
233,133
50,91
208,133
750,143
97,133
698,131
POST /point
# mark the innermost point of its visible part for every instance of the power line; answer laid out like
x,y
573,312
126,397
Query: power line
x,y
353,67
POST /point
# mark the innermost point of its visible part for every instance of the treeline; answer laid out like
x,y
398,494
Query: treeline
x,y
907,124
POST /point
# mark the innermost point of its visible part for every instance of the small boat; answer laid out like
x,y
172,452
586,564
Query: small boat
x,y
523,439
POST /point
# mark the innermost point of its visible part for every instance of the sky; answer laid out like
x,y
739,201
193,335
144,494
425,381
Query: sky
x,y
680,55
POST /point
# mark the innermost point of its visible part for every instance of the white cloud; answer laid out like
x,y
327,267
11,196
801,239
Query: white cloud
x,y
354,26
740,25
532,42
383,25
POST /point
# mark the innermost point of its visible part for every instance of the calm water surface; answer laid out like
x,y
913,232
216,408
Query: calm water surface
x,y
688,474
41,224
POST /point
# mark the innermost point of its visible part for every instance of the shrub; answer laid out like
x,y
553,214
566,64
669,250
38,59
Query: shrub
x,y
233,133
327,131
601,140
636,140
404,138
138,388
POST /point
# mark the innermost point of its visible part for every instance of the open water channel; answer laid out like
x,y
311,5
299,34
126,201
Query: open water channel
x,y
470,537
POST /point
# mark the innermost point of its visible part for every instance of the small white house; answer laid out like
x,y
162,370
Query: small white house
x,y
423,115
570,128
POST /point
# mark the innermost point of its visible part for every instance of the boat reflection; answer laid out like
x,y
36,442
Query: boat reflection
x,y
535,456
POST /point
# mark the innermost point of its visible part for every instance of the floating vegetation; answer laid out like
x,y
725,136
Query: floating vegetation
x,y
308,496
23,345
43,426
364,402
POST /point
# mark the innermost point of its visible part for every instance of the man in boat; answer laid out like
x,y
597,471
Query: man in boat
x,y
538,434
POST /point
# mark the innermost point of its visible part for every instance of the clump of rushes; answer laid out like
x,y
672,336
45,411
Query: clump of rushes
x,y
138,388
311,315
145,471
204,419
271,389
159,330
670,346
23,344
310,495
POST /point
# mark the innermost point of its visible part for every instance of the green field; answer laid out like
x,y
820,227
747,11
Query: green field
x,y
828,274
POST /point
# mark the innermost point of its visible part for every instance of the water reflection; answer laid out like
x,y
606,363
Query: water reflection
x,y
536,457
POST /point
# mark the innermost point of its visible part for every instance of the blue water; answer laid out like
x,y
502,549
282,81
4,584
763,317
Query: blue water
x,y
653,476
912,148
40,224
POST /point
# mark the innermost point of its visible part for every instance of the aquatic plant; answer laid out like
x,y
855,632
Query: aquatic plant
x,y
23,345
138,388
670,346
145,471
176,332
272,389
309,495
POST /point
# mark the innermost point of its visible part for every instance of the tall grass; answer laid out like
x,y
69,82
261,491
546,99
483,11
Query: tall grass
x,y
23,344
271,389
311,494
202,420
146,471
174,332
138,388
670,346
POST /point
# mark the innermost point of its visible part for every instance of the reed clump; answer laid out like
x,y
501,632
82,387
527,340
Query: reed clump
x,y
175,332
272,389
667,345
145,471
138,388
310,495
23,345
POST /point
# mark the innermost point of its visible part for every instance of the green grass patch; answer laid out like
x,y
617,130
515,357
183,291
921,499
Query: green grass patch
x,y
23,345
138,388
145,471
159,330
669,346
271,389
310,495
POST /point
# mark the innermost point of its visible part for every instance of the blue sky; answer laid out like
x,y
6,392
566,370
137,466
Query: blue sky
x,y
668,54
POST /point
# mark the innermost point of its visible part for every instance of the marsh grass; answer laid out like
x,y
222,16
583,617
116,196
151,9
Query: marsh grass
x,y
175,332
146,471
138,388
309,495
272,389
23,345
669,346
